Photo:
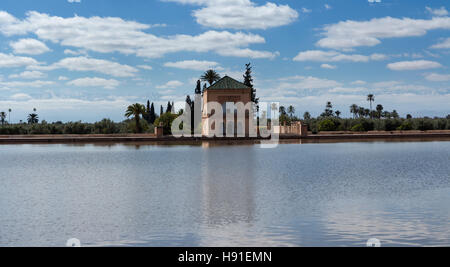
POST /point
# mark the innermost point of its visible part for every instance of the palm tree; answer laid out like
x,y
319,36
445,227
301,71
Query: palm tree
x,y
136,110
354,110
370,98
379,109
33,118
338,113
291,110
210,76
2,117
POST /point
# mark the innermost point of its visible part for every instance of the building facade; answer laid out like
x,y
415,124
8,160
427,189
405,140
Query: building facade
x,y
226,90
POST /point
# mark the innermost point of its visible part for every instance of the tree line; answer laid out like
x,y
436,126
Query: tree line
x,y
363,119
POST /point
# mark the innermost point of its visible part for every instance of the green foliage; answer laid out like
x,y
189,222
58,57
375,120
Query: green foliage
x,y
406,126
143,126
327,125
425,124
106,126
358,128
166,120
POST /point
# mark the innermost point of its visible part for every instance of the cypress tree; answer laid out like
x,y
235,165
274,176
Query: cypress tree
x,y
161,111
248,80
152,114
198,89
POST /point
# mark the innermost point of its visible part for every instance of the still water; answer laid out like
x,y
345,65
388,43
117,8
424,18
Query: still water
x,y
293,195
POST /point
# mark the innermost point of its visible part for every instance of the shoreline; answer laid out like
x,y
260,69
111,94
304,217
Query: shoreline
x,y
152,139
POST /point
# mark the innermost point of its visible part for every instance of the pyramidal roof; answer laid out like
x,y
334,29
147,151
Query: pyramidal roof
x,y
227,83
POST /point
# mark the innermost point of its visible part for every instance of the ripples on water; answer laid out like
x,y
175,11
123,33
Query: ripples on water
x,y
293,195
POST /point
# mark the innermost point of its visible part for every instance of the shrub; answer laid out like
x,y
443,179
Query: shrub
x,y
358,128
166,119
406,126
425,124
391,124
327,125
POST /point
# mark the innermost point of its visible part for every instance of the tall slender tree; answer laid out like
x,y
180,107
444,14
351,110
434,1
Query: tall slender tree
x,y
198,88
169,107
2,117
161,111
291,111
152,114
9,116
248,80
354,110
379,109
370,98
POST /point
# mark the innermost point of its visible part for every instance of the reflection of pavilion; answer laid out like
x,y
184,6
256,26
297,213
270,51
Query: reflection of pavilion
x,y
228,186
226,90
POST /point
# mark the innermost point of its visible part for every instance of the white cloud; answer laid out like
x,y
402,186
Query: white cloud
x,y
350,34
305,10
438,11
95,82
112,34
20,96
28,75
374,1
359,82
328,7
74,1
442,45
33,84
145,67
333,56
414,65
63,78
29,47
240,14
328,66
91,64
434,77
170,84
302,83
11,61
192,65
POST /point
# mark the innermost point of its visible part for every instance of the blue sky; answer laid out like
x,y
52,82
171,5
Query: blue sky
x,y
87,60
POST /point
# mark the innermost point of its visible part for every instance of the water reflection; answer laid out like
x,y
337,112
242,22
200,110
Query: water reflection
x,y
219,194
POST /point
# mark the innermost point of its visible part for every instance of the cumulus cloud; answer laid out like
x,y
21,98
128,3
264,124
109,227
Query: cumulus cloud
x,y
442,45
11,61
74,1
350,34
20,96
95,82
91,64
303,82
112,34
32,84
328,66
434,77
240,14
414,65
170,84
192,65
145,67
29,47
28,75
437,11
333,56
